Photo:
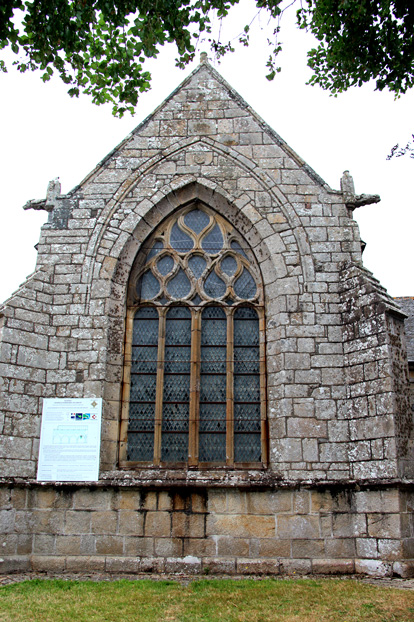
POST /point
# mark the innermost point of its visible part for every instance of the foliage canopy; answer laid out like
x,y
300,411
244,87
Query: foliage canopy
x,y
99,47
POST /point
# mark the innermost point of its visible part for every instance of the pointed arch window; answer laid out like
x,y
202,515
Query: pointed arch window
x,y
194,391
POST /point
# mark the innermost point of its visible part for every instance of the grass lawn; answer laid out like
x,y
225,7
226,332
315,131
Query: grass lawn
x,y
209,600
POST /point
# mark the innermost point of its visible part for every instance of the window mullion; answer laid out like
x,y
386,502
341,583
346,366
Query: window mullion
x,y
230,392
159,387
194,387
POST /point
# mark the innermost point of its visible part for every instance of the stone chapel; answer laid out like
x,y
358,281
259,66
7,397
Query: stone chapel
x,y
208,285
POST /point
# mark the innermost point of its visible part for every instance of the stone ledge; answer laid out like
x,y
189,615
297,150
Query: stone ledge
x,y
253,480
196,566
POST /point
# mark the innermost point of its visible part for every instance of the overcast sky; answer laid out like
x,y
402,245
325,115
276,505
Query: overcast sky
x,y
46,134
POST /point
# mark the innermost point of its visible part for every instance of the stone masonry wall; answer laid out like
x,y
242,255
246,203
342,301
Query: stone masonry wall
x,y
128,529
336,395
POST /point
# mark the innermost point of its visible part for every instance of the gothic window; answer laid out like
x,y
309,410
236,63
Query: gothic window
x,y
194,379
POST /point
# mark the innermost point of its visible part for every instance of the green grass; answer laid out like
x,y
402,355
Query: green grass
x,y
220,600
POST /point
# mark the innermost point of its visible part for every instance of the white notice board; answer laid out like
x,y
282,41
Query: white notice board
x,y
70,440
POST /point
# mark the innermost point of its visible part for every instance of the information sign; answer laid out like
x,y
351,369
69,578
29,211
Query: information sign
x,y
70,440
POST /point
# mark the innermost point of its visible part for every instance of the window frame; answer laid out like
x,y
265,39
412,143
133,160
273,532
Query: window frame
x,y
133,304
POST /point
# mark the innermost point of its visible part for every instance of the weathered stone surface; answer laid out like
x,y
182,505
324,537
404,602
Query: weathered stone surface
x,y
338,415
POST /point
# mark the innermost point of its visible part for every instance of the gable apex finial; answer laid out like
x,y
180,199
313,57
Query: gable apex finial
x,y
203,57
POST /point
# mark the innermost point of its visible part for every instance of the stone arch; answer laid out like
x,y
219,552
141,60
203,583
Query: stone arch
x,y
176,183
112,279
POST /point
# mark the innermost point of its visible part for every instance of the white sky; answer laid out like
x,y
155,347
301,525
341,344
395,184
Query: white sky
x,y
46,134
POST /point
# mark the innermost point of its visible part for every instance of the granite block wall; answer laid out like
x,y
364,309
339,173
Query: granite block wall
x,y
337,390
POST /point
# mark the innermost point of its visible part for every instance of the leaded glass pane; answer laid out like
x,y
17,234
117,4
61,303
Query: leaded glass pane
x,y
197,220
165,265
214,286
212,438
148,286
197,265
145,330
236,246
213,359
174,447
212,417
180,240
247,403
141,417
247,448
245,313
144,359
156,248
246,327
245,286
246,388
196,300
177,359
179,286
140,447
246,360
213,327
247,417
214,370
212,447
213,242
176,394
213,388
143,385
229,265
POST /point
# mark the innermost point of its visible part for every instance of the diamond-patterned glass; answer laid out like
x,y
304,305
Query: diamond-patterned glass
x,y
141,417
246,360
229,265
213,374
165,265
247,448
214,286
236,246
144,359
179,240
246,327
175,417
247,403
246,388
143,387
213,359
174,447
213,388
176,388
176,394
197,265
196,300
197,220
156,248
148,286
177,360
213,242
213,327
213,417
212,438
212,447
179,286
145,331
140,447
247,418
245,286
